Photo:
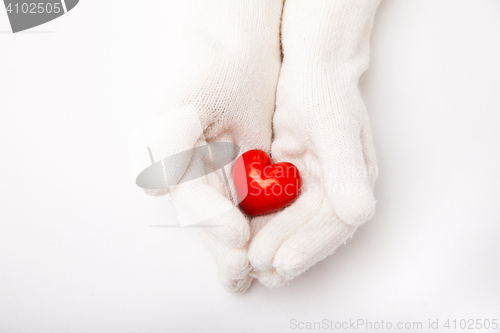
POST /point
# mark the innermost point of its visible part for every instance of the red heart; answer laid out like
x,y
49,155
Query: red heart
x,y
263,187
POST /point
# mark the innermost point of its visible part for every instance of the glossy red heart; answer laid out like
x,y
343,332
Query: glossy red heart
x,y
263,187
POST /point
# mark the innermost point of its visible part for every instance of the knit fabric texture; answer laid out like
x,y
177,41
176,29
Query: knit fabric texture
x,y
227,94
262,72
321,125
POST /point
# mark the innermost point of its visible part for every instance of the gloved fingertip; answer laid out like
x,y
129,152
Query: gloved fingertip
x,y
356,215
236,286
270,278
233,237
290,263
259,259
156,192
353,203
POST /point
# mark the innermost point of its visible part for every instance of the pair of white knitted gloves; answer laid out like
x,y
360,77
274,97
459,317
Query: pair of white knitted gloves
x,y
281,77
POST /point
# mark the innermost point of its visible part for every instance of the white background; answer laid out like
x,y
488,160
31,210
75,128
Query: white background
x,y
77,253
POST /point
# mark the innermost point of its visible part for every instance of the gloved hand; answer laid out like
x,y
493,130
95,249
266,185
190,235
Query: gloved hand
x,y
228,95
321,125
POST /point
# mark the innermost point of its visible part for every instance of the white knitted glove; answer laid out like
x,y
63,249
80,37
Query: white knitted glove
x,y
321,125
227,95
